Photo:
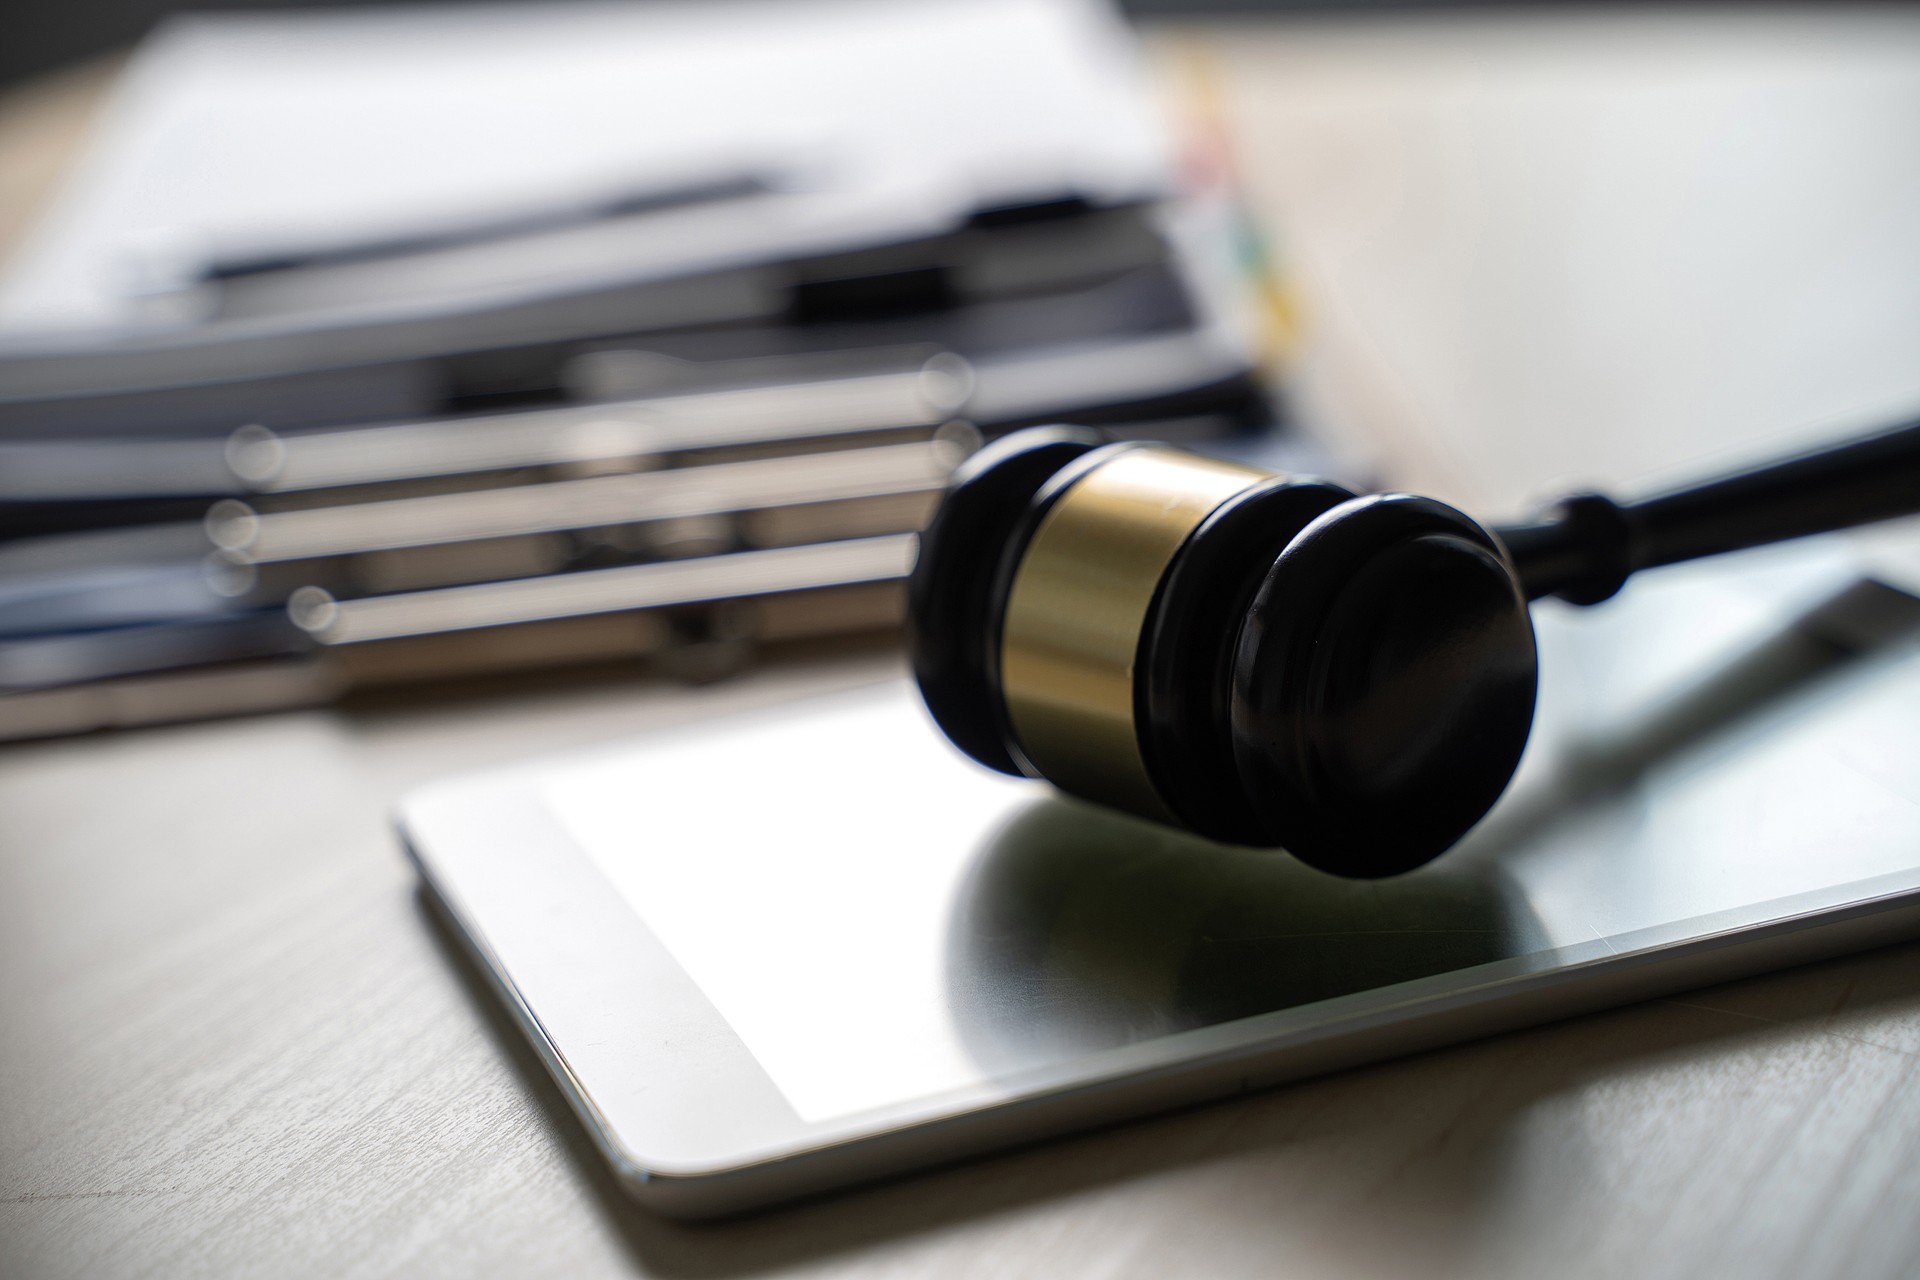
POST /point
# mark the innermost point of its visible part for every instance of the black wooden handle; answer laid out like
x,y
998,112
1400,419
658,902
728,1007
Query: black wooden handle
x,y
1586,546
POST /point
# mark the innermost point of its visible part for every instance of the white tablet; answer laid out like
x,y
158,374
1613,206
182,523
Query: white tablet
x,y
791,950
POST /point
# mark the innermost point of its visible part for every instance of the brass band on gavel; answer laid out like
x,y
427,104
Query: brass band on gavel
x,y
1078,606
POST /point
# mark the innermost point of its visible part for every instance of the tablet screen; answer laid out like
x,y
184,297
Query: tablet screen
x,y
880,920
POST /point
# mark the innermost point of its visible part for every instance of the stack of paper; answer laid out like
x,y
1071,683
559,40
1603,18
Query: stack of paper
x,y
416,235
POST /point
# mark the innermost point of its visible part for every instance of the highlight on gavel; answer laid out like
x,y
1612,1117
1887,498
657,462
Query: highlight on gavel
x,y
1274,661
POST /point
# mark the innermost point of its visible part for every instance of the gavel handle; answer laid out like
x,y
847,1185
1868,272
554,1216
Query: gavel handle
x,y
1586,546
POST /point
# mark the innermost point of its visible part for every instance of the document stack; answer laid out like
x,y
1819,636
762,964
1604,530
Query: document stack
x,y
405,345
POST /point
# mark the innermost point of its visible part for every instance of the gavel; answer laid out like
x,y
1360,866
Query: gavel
x,y
1276,661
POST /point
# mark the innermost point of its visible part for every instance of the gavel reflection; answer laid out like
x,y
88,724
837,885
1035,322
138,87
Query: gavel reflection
x,y
1272,661
1081,930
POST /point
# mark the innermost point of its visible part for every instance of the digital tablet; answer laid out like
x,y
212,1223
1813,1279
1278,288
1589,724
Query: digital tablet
x,y
783,952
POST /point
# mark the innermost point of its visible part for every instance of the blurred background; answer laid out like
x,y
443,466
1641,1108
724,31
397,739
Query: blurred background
x,y
346,349
52,35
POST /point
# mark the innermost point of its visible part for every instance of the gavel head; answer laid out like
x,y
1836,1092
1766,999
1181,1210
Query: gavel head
x,y
1259,659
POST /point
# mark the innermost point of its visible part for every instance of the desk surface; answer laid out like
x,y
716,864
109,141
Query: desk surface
x,y
1530,247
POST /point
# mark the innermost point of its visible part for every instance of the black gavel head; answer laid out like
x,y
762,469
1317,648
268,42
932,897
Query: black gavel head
x,y
1260,659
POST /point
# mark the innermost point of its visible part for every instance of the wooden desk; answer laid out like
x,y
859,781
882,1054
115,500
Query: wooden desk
x,y
1530,246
